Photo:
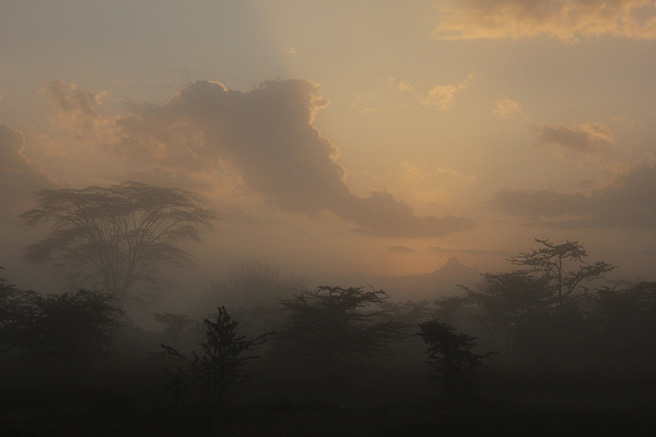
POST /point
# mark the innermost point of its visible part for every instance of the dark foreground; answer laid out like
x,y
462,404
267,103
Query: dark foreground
x,y
591,412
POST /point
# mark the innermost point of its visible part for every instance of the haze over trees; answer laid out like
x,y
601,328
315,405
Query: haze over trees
x,y
342,355
116,236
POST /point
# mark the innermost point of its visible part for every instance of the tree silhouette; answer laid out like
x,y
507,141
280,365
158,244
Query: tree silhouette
x,y
550,262
450,356
75,325
506,300
117,235
222,362
334,322
17,310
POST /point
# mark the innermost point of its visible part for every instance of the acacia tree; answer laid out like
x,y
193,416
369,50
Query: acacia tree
x,y
331,323
116,235
562,267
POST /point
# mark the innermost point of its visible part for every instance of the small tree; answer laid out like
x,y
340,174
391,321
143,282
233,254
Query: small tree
x,y
118,235
333,322
449,353
222,362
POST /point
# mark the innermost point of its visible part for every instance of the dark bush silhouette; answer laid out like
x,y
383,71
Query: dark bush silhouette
x,y
450,356
118,235
220,366
76,325
17,312
626,320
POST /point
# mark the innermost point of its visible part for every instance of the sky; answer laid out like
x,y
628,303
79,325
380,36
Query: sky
x,y
371,137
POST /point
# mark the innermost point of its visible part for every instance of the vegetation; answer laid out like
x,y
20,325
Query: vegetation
x,y
118,235
332,323
17,311
63,327
220,365
450,355
559,332
549,264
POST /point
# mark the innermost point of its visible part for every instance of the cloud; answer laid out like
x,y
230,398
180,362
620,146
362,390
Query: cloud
x,y
291,51
443,96
586,139
456,173
20,177
507,107
73,107
401,249
409,97
267,134
628,203
565,20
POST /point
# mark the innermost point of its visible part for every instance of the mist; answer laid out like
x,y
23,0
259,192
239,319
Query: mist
x,y
400,220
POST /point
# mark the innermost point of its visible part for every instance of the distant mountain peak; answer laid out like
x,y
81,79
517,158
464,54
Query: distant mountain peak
x,y
451,263
453,267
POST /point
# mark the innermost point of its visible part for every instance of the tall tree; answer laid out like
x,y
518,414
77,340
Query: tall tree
x,y
562,267
116,235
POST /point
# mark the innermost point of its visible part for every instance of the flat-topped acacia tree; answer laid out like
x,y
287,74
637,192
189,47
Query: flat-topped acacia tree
x,y
117,235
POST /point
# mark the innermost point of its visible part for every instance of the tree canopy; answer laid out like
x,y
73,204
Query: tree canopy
x,y
117,235
333,322
550,262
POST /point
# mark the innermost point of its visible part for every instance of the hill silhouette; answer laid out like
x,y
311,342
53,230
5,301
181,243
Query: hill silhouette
x,y
441,282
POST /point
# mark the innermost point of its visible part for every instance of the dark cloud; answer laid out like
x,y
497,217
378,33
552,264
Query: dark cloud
x,y
19,176
401,249
628,203
586,139
268,135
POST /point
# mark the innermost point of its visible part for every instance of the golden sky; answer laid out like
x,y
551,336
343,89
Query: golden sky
x,y
340,136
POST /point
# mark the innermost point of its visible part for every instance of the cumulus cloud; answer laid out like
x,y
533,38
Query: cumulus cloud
x,y
20,177
586,139
267,134
628,203
566,20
